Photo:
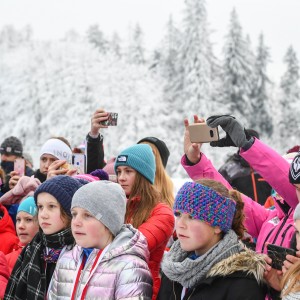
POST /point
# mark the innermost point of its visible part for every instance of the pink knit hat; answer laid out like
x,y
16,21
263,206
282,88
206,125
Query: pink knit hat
x,y
25,187
96,175
110,169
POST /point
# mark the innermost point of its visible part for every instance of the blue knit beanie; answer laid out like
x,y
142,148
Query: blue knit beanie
x,y
205,204
139,157
28,205
62,188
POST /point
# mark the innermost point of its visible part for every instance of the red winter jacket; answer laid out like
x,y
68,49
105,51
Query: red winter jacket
x,y
4,274
13,256
157,229
8,237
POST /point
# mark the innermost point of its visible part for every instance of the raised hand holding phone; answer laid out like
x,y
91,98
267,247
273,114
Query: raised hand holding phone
x,y
202,133
192,150
112,119
97,118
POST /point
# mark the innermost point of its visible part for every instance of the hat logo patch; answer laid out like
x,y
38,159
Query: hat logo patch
x,y
99,216
295,168
122,158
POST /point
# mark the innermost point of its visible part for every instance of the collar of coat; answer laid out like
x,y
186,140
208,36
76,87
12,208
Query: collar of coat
x,y
246,261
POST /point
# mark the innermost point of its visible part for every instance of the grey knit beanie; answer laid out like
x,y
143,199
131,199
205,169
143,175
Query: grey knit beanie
x,y
297,213
105,200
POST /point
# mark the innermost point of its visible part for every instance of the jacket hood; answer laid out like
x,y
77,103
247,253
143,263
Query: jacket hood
x,y
246,261
128,241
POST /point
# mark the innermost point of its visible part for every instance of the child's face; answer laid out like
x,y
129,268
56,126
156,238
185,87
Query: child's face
x,y
195,235
88,231
49,214
126,177
27,227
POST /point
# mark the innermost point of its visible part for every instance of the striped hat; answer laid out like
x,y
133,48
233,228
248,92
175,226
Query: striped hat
x,y
205,204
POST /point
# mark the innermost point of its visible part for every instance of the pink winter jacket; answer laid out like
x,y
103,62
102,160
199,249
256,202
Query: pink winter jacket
x,y
272,226
122,273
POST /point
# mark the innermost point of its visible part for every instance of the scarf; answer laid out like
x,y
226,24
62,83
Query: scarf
x,y
28,279
42,177
178,266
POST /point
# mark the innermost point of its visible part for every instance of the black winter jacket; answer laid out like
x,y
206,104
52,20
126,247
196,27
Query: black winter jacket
x,y
242,177
238,277
95,153
236,286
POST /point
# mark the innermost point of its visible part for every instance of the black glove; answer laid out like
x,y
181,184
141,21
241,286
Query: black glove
x,y
235,133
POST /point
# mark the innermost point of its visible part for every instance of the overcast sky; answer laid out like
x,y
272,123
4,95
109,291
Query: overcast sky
x,y
277,19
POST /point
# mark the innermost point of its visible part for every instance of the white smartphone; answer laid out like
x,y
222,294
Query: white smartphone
x,y
79,163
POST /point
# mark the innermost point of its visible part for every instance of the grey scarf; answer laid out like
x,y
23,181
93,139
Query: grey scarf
x,y
178,267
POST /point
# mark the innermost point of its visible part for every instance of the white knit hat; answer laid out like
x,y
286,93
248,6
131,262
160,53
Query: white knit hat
x,y
58,149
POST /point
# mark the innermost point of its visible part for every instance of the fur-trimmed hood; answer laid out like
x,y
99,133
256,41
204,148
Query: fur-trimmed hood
x,y
246,261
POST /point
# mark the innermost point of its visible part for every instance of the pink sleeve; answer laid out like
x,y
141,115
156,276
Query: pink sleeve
x,y
255,213
273,168
203,169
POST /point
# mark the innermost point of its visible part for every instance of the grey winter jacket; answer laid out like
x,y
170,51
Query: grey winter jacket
x,y
122,273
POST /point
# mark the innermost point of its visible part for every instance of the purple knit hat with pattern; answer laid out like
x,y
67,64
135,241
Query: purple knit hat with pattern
x,y
205,204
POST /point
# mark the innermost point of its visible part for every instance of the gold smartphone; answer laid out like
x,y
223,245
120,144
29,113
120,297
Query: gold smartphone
x,y
202,133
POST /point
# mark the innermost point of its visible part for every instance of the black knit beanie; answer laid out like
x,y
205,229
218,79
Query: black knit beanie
x,y
11,146
160,145
294,174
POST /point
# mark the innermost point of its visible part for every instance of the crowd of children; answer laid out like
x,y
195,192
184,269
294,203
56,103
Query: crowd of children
x,y
125,235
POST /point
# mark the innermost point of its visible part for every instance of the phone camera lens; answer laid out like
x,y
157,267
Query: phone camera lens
x,y
211,133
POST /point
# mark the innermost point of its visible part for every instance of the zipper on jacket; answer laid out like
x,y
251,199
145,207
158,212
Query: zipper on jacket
x,y
174,290
190,295
284,233
263,246
280,228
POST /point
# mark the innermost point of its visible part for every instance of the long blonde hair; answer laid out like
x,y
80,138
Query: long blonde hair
x,y
162,182
137,212
291,280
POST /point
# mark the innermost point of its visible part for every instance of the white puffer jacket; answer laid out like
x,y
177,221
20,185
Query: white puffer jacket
x,y
122,273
